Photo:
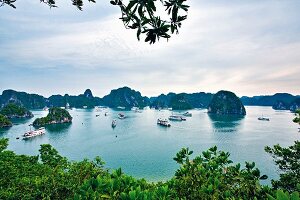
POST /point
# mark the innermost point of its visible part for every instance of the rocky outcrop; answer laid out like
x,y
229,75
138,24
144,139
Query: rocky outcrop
x,y
125,97
55,116
226,103
12,110
29,101
280,105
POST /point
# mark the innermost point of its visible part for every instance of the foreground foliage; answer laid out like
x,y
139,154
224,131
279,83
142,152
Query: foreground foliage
x,y
140,15
4,121
297,118
208,176
288,161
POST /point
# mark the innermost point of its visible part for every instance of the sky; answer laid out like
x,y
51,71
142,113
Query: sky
x,y
250,47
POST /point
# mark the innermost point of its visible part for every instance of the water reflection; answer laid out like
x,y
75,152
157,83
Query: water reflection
x,y
58,128
18,121
225,123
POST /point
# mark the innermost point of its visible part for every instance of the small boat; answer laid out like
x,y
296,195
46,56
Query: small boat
x,y
163,122
114,123
106,114
67,106
298,129
97,115
177,118
121,107
45,108
121,116
84,107
134,108
34,133
187,114
263,119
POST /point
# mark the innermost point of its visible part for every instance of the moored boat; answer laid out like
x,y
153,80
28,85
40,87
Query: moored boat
x,y
177,118
121,116
187,114
45,108
114,123
163,122
34,133
263,119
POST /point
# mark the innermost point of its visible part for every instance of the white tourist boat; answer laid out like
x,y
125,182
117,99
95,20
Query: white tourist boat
x,y
163,122
33,133
114,123
177,118
187,114
121,116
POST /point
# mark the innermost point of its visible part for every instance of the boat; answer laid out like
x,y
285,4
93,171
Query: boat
x,y
121,107
106,114
163,122
263,119
45,108
114,123
177,118
187,114
134,108
121,116
97,115
67,106
34,133
84,106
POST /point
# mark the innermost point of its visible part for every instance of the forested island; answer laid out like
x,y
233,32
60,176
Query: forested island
x,y
12,110
128,98
55,116
226,103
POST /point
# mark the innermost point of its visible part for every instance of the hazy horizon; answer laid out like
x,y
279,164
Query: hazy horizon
x,y
250,48
95,95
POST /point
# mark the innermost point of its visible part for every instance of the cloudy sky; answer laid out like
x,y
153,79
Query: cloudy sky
x,y
250,47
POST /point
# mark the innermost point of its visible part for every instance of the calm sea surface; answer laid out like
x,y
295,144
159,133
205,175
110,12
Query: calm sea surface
x,y
145,150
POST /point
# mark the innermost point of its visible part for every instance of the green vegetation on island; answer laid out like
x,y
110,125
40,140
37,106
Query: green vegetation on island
x,y
12,110
125,97
29,101
297,118
179,102
211,175
55,116
4,122
226,103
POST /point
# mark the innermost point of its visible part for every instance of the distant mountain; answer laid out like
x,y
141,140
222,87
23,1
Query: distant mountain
x,y
181,101
226,103
30,101
85,99
162,101
125,97
279,101
34,101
